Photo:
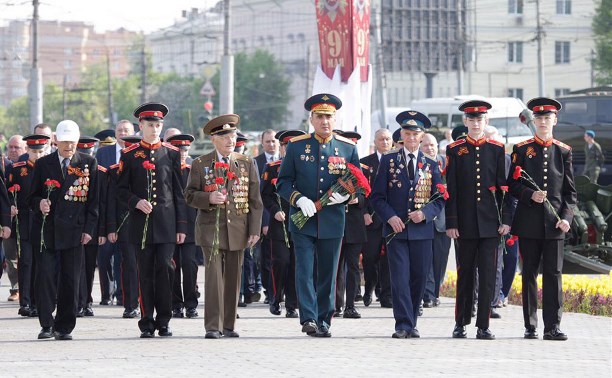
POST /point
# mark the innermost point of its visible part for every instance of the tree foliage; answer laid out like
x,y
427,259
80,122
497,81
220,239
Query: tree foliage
x,y
602,31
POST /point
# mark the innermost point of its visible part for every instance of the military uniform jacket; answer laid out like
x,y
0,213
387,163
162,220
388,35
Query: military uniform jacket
x,y
100,230
74,206
169,212
369,166
472,167
394,194
310,167
21,173
550,165
117,212
271,202
191,212
240,217
593,157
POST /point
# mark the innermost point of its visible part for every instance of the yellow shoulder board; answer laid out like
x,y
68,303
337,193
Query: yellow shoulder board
x,y
170,146
392,151
114,166
101,168
561,144
530,140
19,164
130,148
495,142
345,140
300,137
456,143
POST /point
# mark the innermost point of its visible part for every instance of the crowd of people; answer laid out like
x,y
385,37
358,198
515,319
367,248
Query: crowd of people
x,y
293,222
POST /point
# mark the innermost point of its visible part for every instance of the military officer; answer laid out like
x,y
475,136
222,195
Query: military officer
x,y
312,164
474,165
543,216
224,183
283,254
403,196
150,185
185,254
117,220
66,217
20,174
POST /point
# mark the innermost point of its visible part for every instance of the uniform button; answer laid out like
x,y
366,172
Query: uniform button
x,y
322,157
478,199
228,211
477,155
322,168
154,188
154,203
545,148
154,181
545,155
477,169
152,158
152,173
152,152
545,169
321,180
477,148
478,191
477,176
545,177
320,191
323,146
478,184
154,195
545,185
229,220
545,163
477,162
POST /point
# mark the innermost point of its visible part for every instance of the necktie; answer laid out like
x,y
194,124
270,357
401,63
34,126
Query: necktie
x,y
225,159
65,164
411,166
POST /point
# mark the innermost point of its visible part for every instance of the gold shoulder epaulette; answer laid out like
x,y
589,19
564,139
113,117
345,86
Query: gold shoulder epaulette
x,y
239,156
19,164
114,166
276,162
345,140
364,166
130,148
456,143
300,137
530,140
392,151
170,146
496,142
101,168
561,144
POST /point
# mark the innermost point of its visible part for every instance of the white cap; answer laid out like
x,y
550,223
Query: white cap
x,y
67,131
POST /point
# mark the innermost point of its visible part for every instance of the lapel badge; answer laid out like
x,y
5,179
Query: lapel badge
x,y
336,151
307,149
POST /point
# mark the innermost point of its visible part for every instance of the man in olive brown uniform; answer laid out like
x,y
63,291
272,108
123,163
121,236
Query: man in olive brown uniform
x,y
543,216
224,185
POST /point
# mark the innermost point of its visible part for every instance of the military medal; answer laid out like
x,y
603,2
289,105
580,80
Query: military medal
x,y
307,149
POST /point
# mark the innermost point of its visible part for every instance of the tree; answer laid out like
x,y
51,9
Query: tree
x,y
603,42
261,91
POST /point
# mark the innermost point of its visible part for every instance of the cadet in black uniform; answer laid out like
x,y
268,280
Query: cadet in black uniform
x,y
283,255
185,254
541,230
473,166
150,184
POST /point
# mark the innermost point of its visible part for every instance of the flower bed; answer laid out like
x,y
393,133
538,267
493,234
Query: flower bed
x,y
588,294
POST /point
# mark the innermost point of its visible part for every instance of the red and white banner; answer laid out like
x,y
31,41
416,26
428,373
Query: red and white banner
x,y
344,28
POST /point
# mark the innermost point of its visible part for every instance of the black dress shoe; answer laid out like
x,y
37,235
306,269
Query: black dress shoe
x,y
213,335
23,311
494,314
428,304
105,302
256,297
436,302
459,332
88,311
310,328
164,331
338,313
241,304
130,314
351,313
62,336
367,300
230,333
415,333
248,299
45,333
80,313
275,309
147,334
484,334
322,332
555,334
267,300
292,314
177,313
531,333
386,304
33,312
191,313
401,334
358,298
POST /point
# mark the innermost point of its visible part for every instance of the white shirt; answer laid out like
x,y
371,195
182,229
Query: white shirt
x,y
118,149
270,158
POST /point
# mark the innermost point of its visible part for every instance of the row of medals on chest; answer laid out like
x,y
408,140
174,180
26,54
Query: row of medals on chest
x,y
240,188
423,186
77,192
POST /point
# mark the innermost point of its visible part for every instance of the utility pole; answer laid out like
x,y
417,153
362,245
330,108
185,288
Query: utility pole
x,y
143,78
111,118
35,89
226,95
539,35
381,80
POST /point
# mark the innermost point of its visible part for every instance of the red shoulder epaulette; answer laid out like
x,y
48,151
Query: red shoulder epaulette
x,y
101,168
530,140
495,142
114,166
275,162
168,145
19,164
561,144
456,143
130,148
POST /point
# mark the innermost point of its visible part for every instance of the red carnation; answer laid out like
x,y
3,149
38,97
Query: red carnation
x,y
492,188
221,165
219,180
504,188
446,196
231,175
441,188
517,172
274,180
362,181
510,242
420,165
15,188
148,165
52,184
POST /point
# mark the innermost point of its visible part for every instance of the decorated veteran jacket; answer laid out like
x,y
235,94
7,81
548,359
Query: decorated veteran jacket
x,y
273,202
472,167
74,205
240,216
310,167
549,164
169,212
21,174
394,194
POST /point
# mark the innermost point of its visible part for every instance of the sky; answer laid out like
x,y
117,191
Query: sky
x,y
134,15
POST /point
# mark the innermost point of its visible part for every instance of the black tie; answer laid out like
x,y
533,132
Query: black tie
x,y
411,167
65,164
225,159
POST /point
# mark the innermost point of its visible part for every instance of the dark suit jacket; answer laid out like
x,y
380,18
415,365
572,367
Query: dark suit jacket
x,y
369,166
21,173
355,228
271,202
73,212
261,162
106,156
